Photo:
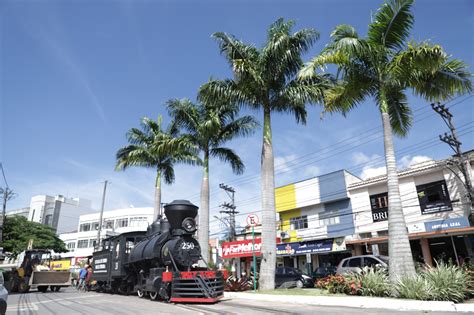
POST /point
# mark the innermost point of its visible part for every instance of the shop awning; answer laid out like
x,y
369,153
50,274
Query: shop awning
x,y
414,236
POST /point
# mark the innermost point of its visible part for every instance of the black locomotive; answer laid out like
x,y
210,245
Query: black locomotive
x,y
160,263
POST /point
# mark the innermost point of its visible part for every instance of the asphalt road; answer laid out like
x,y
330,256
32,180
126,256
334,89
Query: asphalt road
x,y
70,301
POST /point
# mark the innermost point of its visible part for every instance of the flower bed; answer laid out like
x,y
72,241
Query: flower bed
x,y
446,282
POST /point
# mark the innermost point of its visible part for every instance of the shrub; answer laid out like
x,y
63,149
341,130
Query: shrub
x,y
373,282
416,288
334,284
447,282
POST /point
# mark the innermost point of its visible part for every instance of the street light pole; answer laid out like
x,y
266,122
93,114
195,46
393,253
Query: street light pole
x,y
99,230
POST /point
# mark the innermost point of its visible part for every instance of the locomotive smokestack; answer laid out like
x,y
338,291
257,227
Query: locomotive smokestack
x,y
178,210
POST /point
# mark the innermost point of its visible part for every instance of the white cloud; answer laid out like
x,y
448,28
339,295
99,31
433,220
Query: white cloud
x,y
374,164
407,161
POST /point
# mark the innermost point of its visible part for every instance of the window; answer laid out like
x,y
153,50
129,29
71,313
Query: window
x,y
48,220
121,223
280,270
109,224
299,223
329,221
71,246
84,227
82,243
434,197
95,226
92,242
370,262
138,221
355,262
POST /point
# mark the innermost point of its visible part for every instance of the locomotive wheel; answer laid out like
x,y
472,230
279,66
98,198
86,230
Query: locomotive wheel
x,y
153,295
140,293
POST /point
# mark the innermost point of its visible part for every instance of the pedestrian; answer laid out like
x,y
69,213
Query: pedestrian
x,y
88,277
82,276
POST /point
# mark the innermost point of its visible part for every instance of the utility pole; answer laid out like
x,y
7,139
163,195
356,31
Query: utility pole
x,y
230,208
6,195
101,215
452,140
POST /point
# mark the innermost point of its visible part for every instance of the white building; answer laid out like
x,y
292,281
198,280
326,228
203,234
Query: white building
x,y
58,212
22,212
436,209
81,242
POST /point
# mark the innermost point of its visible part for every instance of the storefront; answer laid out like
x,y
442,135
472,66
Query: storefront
x,y
242,251
451,239
309,255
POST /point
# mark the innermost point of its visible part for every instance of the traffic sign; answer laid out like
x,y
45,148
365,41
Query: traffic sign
x,y
252,220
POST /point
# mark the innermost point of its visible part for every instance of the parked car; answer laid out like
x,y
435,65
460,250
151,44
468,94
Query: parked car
x,y
323,272
356,263
291,277
3,295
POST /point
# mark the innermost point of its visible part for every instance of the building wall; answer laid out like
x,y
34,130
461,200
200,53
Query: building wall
x,y
117,217
323,200
408,181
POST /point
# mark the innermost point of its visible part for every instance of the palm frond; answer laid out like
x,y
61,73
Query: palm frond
x,y
452,78
134,155
227,91
228,156
401,116
392,24
240,127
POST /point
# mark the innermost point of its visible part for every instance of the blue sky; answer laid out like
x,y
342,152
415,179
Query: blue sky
x,y
76,75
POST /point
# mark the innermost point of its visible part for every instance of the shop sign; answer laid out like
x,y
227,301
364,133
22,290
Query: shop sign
x,y
241,248
434,197
379,207
63,264
440,225
416,228
309,247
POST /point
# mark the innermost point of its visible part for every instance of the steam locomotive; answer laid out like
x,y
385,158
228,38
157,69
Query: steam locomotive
x,y
160,263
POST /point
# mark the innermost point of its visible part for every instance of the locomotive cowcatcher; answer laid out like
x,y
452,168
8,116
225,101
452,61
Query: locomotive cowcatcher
x,y
160,263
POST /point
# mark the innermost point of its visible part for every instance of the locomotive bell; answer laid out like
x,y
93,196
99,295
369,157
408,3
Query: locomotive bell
x,y
178,211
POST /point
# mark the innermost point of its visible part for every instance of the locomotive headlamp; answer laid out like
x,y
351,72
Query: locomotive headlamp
x,y
189,225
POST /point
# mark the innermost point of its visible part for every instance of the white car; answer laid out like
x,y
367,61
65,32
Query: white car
x,y
3,295
356,263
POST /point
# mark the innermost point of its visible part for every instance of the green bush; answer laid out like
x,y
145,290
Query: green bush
x,y
373,282
415,288
447,282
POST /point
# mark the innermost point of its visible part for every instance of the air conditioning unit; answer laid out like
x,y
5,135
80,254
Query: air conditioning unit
x,y
284,235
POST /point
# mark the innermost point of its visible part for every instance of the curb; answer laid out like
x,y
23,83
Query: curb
x,y
357,302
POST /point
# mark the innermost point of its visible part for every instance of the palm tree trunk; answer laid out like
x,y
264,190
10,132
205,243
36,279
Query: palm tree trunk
x,y
203,231
157,208
401,258
267,266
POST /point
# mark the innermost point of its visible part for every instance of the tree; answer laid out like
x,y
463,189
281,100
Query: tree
x,y
265,79
384,66
18,231
153,147
208,126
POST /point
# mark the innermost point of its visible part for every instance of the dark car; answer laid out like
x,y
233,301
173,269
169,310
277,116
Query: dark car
x,y
288,277
323,272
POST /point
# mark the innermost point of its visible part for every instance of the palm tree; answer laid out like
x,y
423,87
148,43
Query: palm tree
x,y
208,128
265,79
153,147
384,66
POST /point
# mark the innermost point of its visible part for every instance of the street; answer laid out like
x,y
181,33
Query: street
x,y
69,301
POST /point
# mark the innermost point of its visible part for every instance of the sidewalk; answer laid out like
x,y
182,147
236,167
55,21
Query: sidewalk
x,y
357,301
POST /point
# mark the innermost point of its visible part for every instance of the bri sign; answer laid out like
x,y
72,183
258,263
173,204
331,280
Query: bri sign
x,y
241,248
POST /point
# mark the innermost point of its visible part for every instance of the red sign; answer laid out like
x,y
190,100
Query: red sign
x,y
241,248
252,220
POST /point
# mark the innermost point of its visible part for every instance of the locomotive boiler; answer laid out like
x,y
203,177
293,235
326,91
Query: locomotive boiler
x,y
161,263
